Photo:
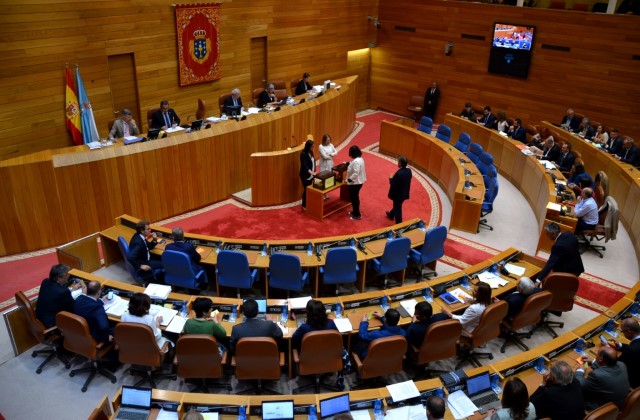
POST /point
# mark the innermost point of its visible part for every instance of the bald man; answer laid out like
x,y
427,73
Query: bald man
x,y
586,211
630,353
607,382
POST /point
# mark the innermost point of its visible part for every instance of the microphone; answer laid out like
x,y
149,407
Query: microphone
x,y
362,246
401,231
329,245
318,253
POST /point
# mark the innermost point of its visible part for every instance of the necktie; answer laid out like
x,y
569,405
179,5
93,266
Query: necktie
x,y
167,121
235,102
125,129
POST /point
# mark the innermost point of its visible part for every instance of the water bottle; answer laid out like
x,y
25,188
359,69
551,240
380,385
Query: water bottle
x,y
234,314
610,328
183,309
352,243
421,225
579,348
242,412
219,247
494,269
377,410
312,413
309,249
390,235
285,314
465,282
264,250
384,303
634,309
541,366
439,392
338,310
428,296
496,383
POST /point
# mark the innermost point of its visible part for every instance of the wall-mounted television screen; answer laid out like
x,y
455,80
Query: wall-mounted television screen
x,y
511,49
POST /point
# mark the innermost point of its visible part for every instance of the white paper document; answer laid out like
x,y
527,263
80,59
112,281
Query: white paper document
x,y
94,145
554,206
343,325
403,390
461,406
461,295
527,152
177,324
515,269
408,412
409,306
130,137
214,119
210,416
157,291
360,415
167,415
253,110
118,308
492,280
547,164
166,313
299,302
174,129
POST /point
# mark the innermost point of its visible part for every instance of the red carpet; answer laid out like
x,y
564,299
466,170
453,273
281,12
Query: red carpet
x,y
24,274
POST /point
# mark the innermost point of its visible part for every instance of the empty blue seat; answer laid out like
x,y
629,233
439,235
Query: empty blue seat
x,y
443,133
286,273
178,271
474,153
432,249
426,125
491,192
233,271
486,160
394,258
463,143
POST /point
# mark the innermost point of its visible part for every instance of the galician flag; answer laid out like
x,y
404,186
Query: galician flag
x,y
89,129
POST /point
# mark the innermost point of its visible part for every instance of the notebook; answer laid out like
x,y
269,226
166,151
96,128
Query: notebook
x,y
282,410
135,404
335,405
480,392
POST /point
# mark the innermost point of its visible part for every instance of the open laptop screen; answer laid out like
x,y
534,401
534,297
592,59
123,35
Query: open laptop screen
x,y
332,406
272,410
479,383
136,397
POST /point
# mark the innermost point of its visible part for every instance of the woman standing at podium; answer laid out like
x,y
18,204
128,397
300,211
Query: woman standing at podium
x,y
356,176
307,168
327,152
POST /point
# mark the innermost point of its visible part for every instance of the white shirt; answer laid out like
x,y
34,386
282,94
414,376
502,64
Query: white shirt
x,y
587,210
146,320
326,156
356,172
471,317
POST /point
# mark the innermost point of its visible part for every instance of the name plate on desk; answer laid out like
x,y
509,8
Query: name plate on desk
x,y
368,302
407,295
595,331
518,368
275,309
287,247
417,225
222,307
242,247
338,244
552,354
439,289
223,409
377,236
625,312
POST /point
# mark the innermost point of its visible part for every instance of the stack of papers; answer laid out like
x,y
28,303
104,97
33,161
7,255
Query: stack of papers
x,y
343,324
409,306
411,412
547,164
177,324
299,303
403,391
527,152
166,313
461,406
174,129
492,280
116,306
214,119
157,291
253,110
94,145
514,269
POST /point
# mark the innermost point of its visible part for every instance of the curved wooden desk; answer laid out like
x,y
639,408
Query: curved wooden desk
x,y
624,180
441,161
274,177
60,195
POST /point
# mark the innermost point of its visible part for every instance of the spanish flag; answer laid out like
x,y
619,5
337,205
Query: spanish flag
x,y
72,110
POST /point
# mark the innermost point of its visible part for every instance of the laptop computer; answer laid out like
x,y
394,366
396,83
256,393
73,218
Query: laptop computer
x,y
277,410
329,407
135,403
262,308
480,393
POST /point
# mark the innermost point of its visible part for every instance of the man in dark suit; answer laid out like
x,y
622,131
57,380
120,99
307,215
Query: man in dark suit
x,y
566,159
614,145
515,300
253,327
607,381
233,100
303,85
399,186
570,121
487,118
565,253
560,395
55,295
91,308
629,153
140,246
431,97
181,246
630,353
585,129
165,117
268,96
423,318
517,131
468,113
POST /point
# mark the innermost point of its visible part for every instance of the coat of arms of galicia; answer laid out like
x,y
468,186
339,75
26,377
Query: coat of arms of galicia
x,y
199,46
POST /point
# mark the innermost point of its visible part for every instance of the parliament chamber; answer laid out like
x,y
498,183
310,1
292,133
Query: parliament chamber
x,y
56,194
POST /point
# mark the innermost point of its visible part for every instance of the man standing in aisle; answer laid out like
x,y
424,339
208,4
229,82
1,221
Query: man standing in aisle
x,y
399,186
431,101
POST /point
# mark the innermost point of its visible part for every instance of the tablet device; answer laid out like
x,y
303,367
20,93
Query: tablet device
x,y
335,405
449,298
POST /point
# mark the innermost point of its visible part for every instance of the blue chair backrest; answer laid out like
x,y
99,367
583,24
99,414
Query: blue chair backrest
x,y
491,185
123,245
340,266
463,143
474,152
285,272
233,269
486,160
443,133
433,247
426,125
394,257
178,270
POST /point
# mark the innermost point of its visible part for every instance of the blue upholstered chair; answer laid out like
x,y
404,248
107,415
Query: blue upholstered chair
x,y
443,133
140,276
491,185
178,271
432,249
426,125
233,271
341,266
486,160
463,143
285,273
393,259
474,153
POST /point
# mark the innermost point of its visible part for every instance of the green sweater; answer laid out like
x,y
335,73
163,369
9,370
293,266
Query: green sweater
x,y
201,326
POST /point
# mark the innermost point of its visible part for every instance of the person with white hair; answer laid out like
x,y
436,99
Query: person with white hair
x,y
525,288
268,96
232,101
